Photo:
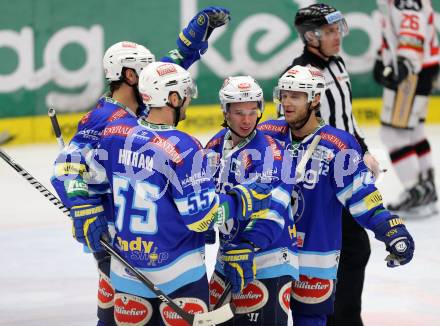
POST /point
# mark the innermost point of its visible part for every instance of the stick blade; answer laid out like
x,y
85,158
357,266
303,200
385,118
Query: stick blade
x,y
215,317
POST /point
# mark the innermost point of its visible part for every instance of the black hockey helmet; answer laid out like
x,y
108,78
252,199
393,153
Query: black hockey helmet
x,y
313,17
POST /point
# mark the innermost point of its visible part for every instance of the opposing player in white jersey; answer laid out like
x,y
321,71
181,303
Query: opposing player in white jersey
x,y
407,66
238,154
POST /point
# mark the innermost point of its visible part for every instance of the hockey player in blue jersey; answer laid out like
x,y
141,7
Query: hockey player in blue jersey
x,y
122,64
237,154
333,177
164,200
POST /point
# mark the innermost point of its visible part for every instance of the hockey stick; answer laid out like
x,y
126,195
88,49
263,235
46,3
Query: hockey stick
x,y
305,158
5,137
209,318
223,297
55,126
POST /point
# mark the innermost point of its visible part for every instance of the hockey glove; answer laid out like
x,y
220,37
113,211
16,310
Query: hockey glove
x,y
89,224
253,199
194,38
398,241
239,265
390,78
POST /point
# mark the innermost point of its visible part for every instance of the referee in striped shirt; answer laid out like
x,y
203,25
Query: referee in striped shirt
x,y
321,28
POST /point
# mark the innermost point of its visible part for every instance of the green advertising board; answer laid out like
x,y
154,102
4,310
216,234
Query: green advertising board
x,y
51,50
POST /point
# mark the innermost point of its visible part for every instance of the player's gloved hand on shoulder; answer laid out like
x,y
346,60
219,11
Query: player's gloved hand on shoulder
x,y
391,78
239,264
194,38
398,241
253,199
89,224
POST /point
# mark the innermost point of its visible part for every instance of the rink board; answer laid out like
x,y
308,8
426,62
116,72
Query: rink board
x,y
201,119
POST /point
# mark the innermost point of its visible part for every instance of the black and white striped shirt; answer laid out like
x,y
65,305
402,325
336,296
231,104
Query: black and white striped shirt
x,y
336,108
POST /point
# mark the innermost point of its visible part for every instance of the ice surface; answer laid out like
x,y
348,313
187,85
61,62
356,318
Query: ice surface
x,y
46,279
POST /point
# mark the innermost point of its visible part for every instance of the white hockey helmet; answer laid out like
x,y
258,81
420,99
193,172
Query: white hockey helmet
x,y
307,79
158,79
125,54
241,89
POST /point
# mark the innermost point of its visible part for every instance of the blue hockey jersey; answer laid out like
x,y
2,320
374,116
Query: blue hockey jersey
x,y
164,200
258,157
334,176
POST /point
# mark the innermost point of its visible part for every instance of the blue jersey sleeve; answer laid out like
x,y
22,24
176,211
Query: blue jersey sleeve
x,y
354,186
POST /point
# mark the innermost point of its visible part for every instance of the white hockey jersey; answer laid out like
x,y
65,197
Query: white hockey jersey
x,y
409,32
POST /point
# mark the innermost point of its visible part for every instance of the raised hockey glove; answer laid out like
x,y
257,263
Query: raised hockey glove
x,y
89,224
239,264
253,199
398,241
392,79
194,38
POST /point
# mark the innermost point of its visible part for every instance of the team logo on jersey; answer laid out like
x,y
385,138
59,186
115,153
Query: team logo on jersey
x,y
216,289
106,292
312,290
191,305
131,310
166,69
253,297
284,297
297,203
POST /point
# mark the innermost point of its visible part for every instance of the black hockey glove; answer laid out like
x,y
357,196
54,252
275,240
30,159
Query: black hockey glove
x,y
391,79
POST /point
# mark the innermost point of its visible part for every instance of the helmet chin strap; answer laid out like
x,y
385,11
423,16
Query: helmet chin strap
x,y
137,95
176,110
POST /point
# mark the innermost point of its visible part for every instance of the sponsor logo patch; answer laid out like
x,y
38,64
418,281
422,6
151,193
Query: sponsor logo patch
x,y
284,297
118,114
118,130
85,118
168,148
166,69
131,310
276,152
252,298
216,289
191,305
334,140
106,292
273,128
312,290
